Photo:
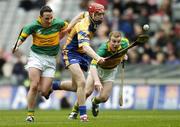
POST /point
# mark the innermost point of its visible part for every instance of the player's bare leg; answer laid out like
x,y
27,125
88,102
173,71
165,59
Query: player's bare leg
x,y
68,85
89,90
34,77
45,86
79,77
62,85
103,97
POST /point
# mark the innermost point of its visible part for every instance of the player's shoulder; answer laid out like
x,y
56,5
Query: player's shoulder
x,y
104,45
82,25
58,21
124,42
84,18
124,39
32,24
85,14
35,23
85,21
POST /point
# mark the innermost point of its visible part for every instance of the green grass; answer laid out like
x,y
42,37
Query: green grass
x,y
106,118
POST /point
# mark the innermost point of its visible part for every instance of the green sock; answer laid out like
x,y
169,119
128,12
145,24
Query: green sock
x,y
75,108
96,101
30,112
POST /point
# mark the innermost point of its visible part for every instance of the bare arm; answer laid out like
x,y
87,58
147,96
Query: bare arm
x,y
19,43
97,83
90,52
14,49
75,20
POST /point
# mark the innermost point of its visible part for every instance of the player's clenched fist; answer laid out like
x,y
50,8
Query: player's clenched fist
x,y
100,60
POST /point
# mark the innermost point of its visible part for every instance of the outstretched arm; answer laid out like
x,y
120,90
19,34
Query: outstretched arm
x,y
90,52
16,46
20,39
97,83
75,20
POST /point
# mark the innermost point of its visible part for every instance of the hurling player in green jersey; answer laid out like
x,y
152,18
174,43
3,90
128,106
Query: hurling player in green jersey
x,y
100,77
46,32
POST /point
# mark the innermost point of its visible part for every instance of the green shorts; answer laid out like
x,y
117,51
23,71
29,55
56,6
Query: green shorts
x,y
107,75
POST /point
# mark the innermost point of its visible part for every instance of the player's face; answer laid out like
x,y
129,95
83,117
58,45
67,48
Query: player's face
x,y
98,17
115,43
47,18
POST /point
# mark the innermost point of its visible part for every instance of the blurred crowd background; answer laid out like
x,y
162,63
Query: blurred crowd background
x,y
127,16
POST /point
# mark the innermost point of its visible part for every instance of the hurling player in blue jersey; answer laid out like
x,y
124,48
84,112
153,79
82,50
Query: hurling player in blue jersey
x,y
77,53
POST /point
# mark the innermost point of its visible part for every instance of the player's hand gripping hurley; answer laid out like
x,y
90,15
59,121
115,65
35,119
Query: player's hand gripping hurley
x,y
15,47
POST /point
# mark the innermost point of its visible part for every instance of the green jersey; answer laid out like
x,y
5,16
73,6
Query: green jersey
x,y
105,51
45,40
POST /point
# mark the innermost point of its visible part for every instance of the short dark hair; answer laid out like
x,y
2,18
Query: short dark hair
x,y
45,9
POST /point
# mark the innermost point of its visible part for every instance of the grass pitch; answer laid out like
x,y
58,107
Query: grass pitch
x,y
106,118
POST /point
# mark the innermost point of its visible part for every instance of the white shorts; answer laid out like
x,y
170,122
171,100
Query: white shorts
x,y
45,63
107,75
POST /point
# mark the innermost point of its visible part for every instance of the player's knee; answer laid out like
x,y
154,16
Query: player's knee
x,y
34,82
74,88
104,98
44,93
34,85
88,93
81,84
34,88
